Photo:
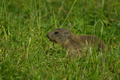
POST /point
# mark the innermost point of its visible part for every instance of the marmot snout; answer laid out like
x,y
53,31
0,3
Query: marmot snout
x,y
73,43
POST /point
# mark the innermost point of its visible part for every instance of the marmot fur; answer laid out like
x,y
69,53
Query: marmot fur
x,y
75,44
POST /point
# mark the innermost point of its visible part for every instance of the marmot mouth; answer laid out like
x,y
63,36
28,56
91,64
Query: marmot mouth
x,y
52,40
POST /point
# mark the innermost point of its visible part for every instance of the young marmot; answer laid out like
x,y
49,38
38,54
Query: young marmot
x,y
75,44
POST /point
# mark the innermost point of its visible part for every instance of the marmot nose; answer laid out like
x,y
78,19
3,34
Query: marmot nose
x,y
47,35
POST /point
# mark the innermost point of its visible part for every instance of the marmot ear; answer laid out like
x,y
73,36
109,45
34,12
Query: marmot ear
x,y
66,33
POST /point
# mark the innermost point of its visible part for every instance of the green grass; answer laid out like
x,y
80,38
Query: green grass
x,y
26,53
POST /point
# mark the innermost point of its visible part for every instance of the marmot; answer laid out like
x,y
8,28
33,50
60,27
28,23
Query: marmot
x,y
75,44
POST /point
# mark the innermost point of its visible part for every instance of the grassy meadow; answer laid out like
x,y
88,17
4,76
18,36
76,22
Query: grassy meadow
x,y
27,54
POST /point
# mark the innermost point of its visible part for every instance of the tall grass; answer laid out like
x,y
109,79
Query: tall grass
x,y
26,53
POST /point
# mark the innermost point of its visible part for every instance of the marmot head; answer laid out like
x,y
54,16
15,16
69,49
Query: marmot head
x,y
59,35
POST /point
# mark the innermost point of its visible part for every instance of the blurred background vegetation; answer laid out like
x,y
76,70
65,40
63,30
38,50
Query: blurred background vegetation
x,y
83,15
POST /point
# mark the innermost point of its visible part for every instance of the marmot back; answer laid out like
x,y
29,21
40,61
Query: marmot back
x,y
73,43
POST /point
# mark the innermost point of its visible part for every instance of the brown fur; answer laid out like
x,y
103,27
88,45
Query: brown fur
x,y
75,44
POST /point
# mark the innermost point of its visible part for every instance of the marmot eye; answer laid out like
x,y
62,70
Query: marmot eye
x,y
56,32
